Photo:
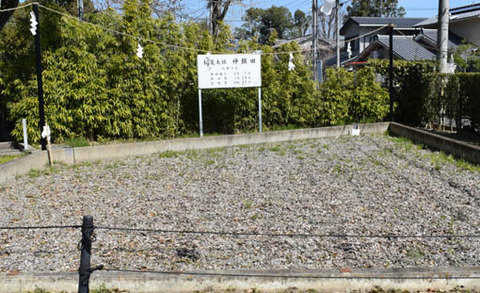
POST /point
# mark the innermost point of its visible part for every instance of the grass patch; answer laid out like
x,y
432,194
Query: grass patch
x,y
167,154
247,204
76,142
440,159
4,159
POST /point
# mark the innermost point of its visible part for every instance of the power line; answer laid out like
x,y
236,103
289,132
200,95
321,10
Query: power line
x,y
292,235
18,7
40,227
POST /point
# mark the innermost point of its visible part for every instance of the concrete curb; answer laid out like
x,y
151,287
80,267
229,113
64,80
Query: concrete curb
x,y
39,159
458,148
265,281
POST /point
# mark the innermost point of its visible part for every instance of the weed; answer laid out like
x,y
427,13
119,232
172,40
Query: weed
x,y
104,289
167,154
4,159
76,142
415,253
247,204
275,148
215,150
35,173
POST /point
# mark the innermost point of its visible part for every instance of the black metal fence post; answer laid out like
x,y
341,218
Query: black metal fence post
x,y
86,251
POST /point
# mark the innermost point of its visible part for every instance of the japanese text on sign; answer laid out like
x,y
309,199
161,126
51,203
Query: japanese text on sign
x,y
229,71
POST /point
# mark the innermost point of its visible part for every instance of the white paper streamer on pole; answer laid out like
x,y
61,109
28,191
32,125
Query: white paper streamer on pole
x,y
327,7
139,51
291,66
349,50
33,23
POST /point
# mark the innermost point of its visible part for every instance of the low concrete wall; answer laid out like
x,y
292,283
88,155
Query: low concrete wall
x,y
39,159
9,170
265,281
144,148
459,149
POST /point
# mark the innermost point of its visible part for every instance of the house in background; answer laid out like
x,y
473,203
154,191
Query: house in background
x,y
464,23
361,30
414,38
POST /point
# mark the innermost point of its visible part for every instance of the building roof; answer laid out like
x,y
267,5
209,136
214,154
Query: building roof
x,y
456,14
305,40
429,38
399,22
404,47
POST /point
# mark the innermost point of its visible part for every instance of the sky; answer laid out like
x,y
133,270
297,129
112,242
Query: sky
x,y
414,8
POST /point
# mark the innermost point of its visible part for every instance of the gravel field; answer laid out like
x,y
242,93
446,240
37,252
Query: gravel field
x,y
368,185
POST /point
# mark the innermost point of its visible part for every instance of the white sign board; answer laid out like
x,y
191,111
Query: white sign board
x,y
229,71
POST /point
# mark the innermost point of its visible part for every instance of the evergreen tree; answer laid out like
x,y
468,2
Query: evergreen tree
x,y
378,8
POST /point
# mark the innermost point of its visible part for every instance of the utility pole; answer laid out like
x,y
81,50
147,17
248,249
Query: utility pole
x,y
390,70
41,104
337,24
210,20
314,36
442,35
80,9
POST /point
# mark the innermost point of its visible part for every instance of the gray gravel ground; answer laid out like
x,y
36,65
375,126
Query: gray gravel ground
x,y
368,185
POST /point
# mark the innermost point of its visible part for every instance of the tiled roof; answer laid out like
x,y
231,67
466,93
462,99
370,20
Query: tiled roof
x,y
430,36
456,14
405,48
399,22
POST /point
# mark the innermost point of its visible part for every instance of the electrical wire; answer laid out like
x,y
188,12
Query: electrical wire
x,y
292,235
40,227
15,8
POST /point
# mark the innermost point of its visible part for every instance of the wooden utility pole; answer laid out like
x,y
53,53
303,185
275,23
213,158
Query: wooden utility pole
x,y
442,35
314,36
38,59
390,70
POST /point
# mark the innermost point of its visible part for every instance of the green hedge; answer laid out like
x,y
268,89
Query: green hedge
x,y
96,87
424,97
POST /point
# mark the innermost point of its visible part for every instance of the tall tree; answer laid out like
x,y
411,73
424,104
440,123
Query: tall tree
x,y
378,8
302,23
218,9
326,23
262,23
4,16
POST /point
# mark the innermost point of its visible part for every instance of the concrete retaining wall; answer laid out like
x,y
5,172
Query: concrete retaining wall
x,y
39,159
459,149
268,281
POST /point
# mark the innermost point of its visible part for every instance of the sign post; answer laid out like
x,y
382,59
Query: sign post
x,y
200,117
260,110
229,71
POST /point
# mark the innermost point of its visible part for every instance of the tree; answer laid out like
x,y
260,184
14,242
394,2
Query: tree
x,y
262,22
219,9
4,16
327,23
378,8
302,23
467,57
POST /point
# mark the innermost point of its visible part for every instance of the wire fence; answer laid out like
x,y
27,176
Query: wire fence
x,y
89,236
